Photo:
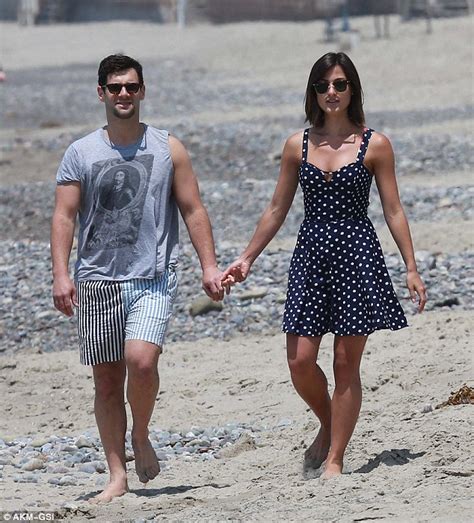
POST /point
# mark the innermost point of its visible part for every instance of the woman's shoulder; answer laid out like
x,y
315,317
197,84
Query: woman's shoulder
x,y
377,136
296,137
294,142
379,142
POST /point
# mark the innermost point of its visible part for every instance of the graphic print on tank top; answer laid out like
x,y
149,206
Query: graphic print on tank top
x,y
120,189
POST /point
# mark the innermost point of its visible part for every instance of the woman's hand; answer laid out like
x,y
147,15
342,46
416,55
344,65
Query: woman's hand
x,y
417,289
236,272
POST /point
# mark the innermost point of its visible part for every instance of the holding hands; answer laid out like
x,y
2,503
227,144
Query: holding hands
x,y
236,272
216,283
213,283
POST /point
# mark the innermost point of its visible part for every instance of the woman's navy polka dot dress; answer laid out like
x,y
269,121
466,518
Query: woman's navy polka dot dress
x,y
338,280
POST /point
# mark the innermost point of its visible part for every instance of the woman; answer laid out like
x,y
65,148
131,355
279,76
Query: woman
x,y
338,281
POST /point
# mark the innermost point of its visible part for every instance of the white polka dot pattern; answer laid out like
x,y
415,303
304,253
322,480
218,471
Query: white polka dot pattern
x,y
338,281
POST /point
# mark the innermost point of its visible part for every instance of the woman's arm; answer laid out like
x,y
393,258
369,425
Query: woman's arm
x,y
275,214
380,159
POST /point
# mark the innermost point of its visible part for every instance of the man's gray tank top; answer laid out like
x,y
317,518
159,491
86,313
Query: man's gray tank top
x,y
128,218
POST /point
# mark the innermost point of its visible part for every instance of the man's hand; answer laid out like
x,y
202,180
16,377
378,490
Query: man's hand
x,y
212,283
64,295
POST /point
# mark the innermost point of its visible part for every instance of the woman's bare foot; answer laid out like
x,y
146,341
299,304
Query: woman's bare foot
x,y
146,462
331,470
113,490
317,452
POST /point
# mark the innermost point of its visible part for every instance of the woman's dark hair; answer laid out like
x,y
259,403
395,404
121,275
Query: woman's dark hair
x,y
314,113
116,63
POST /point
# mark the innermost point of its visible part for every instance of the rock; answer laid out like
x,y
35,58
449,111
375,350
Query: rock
x,y
25,478
83,442
39,442
53,481
58,469
99,466
445,202
5,459
33,464
253,293
67,480
203,305
89,468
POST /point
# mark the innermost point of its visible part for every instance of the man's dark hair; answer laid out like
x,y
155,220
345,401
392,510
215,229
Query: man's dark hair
x,y
314,113
116,63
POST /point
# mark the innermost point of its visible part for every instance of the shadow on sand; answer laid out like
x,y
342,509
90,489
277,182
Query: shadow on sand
x,y
155,492
390,458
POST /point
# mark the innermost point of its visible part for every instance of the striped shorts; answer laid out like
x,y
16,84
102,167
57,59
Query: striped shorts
x,y
111,312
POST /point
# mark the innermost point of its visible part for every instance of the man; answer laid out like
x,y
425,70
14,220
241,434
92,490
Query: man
x,y
125,281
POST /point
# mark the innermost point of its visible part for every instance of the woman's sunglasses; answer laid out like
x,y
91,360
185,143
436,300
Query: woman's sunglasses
x,y
131,88
322,86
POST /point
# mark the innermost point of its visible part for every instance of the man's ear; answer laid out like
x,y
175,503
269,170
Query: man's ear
x,y
143,92
100,93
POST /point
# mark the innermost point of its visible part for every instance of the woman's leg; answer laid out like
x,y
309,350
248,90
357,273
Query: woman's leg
x,y
311,384
346,400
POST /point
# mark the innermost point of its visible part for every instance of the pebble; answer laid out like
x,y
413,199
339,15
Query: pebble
x,y
87,467
67,480
448,276
82,442
33,464
253,293
64,458
40,442
203,305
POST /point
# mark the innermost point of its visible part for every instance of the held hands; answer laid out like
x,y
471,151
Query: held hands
x,y
64,295
417,289
236,272
213,284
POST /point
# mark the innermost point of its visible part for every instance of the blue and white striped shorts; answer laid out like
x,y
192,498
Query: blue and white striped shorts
x,y
111,312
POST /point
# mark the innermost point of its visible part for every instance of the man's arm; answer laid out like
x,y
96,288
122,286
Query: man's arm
x,y
186,193
68,198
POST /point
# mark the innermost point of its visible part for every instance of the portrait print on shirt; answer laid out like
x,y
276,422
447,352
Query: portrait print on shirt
x,y
120,189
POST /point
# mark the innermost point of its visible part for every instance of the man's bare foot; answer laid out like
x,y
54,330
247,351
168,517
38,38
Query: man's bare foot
x,y
317,452
331,470
146,462
113,490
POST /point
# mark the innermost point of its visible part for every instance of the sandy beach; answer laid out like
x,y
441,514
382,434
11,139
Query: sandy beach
x,y
408,461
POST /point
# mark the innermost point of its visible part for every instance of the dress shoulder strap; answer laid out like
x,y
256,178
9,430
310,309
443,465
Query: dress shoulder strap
x,y
364,144
304,152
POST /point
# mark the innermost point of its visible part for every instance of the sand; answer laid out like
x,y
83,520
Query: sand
x,y
403,464
406,465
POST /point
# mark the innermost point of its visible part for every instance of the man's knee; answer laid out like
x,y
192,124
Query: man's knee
x,y
142,359
143,369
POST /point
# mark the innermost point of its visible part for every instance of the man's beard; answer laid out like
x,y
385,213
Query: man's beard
x,y
124,115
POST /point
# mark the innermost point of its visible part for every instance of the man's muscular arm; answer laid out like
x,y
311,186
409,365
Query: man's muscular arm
x,y
68,198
